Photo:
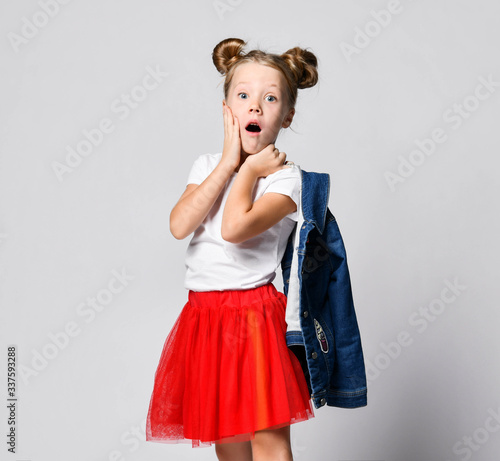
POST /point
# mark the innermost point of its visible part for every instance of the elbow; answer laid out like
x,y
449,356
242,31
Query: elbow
x,y
229,233
177,233
177,230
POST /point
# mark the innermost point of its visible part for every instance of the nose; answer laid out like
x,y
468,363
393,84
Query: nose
x,y
254,108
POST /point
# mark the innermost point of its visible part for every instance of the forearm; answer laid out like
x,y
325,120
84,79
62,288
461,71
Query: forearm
x,y
192,208
239,203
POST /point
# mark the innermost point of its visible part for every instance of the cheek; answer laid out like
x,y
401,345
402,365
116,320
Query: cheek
x,y
237,112
278,122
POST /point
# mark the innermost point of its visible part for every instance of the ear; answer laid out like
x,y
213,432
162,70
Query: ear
x,y
287,121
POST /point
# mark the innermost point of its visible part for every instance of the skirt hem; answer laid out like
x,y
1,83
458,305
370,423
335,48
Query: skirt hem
x,y
236,438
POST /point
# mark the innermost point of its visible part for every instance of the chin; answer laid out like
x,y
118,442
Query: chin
x,y
251,150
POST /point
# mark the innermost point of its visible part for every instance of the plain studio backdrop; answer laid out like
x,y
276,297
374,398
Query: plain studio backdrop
x,y
104,107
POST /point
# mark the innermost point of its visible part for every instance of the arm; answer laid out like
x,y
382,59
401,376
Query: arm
x,y
244,219
197,200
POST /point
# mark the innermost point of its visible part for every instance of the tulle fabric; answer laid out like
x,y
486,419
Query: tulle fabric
x,y
225,371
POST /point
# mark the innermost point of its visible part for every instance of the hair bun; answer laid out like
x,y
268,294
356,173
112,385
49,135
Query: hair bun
x,y
227,53
304,66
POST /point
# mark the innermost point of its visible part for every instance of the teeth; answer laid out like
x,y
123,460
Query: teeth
x,y
253,127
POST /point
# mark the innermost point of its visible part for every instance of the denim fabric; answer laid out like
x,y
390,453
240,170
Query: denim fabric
x,y
328,344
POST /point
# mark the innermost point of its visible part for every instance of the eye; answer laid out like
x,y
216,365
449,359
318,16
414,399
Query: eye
x,y
242,95
271,98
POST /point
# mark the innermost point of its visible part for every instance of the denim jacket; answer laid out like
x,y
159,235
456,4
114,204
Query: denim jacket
x,y
322,328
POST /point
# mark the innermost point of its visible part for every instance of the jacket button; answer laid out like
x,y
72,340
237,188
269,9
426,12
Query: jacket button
x,y
314,355
306,313
323,401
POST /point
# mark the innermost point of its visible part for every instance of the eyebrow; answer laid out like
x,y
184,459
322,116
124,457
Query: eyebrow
x,y
244,83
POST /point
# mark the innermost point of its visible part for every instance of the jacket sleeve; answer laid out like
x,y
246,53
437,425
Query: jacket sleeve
x,y
348,380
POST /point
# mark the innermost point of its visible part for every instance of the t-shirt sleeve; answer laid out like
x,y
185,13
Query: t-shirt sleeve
x,y
199,170
286,182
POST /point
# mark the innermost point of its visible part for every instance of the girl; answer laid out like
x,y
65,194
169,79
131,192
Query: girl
x,y
226,375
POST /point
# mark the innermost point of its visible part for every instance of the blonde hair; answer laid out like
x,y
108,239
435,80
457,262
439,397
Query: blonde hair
x,y
298,66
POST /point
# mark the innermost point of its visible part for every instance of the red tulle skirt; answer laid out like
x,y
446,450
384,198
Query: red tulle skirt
x,y
226,371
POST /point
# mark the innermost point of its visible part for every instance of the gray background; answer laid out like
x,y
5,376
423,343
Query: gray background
x,y
85,367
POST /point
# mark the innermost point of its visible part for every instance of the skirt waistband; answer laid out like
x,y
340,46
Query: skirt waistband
x,y
234,297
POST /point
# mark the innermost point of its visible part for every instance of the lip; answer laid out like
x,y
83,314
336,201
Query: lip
x,y
249,133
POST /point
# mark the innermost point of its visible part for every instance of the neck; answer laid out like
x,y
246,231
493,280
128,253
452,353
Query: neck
x,y
243,157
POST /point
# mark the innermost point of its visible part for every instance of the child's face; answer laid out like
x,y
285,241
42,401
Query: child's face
x,y
257,94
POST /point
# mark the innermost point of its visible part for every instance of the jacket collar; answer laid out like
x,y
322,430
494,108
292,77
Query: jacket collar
x,y
315,194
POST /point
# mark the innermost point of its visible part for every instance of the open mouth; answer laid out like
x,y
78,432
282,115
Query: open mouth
x,y
253,127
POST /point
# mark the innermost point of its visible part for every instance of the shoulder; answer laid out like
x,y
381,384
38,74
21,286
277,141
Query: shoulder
x,y
205,163
291,172
202,167
209,160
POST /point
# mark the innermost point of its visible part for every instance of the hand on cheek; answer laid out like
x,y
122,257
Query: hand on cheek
x,y
232,141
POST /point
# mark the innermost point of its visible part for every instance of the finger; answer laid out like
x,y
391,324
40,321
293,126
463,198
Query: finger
x,y
230,116
229,122
236,127
224,116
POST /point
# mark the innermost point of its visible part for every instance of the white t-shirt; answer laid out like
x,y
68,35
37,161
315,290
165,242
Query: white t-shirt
x,y
215,264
